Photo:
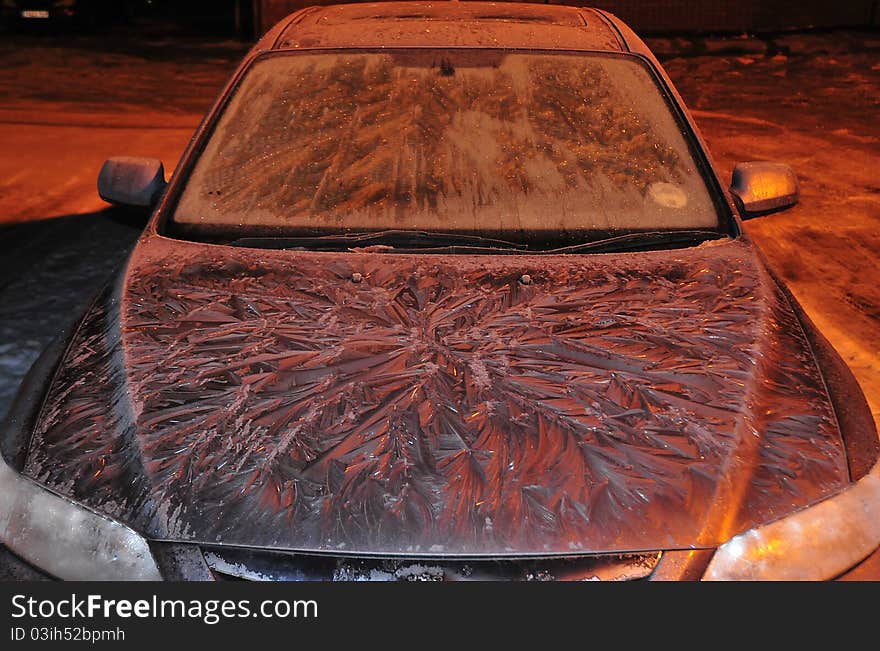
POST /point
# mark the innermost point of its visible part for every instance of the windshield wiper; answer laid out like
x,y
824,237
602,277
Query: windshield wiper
x,y
427,242
393,238
642,241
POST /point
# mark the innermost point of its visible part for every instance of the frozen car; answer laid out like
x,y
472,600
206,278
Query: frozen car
x,y
444,291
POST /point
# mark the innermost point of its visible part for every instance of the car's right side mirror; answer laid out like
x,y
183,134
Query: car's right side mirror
x,y
132,182
761,187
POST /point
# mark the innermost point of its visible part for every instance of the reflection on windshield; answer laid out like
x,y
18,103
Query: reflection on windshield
x,y
453,141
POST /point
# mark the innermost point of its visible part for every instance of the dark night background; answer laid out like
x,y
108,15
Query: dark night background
x,y
247,18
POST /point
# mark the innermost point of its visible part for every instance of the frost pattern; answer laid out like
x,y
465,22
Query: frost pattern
x,y
440,406
463,141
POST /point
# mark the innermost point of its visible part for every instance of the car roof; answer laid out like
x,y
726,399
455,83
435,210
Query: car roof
x,y
448,24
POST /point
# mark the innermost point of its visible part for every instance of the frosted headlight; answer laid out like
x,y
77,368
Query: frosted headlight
x,y
816,544
68,540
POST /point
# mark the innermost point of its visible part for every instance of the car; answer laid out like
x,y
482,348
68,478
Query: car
x,y
443,291
53,14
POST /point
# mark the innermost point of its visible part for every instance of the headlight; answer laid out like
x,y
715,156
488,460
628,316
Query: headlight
x,y
815,544
66,539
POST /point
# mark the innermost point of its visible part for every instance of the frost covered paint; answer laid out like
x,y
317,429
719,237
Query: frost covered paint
x,y
440,406
425,23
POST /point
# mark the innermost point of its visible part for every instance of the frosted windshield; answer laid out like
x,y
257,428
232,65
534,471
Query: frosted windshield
x,y
487,142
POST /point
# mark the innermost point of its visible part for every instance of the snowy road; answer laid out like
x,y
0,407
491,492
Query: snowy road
x,y
48,272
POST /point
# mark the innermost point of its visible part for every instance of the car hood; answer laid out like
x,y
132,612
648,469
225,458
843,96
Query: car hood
x,y
376,403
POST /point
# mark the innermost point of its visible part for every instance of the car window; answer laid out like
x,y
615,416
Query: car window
x,y
541,148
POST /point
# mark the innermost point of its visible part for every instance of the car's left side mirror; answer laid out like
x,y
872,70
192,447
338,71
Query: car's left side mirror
x,y
761,187
133,182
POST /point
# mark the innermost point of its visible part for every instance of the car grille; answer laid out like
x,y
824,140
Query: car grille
x,y
242,564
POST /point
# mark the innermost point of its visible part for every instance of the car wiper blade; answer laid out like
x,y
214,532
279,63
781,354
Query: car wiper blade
x,y
642,241
450,248
394,238
428,242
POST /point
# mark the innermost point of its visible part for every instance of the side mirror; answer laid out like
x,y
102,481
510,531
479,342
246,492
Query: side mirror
x,y
136,182
761,187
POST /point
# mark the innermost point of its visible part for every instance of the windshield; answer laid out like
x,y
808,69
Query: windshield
x,y
545,149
